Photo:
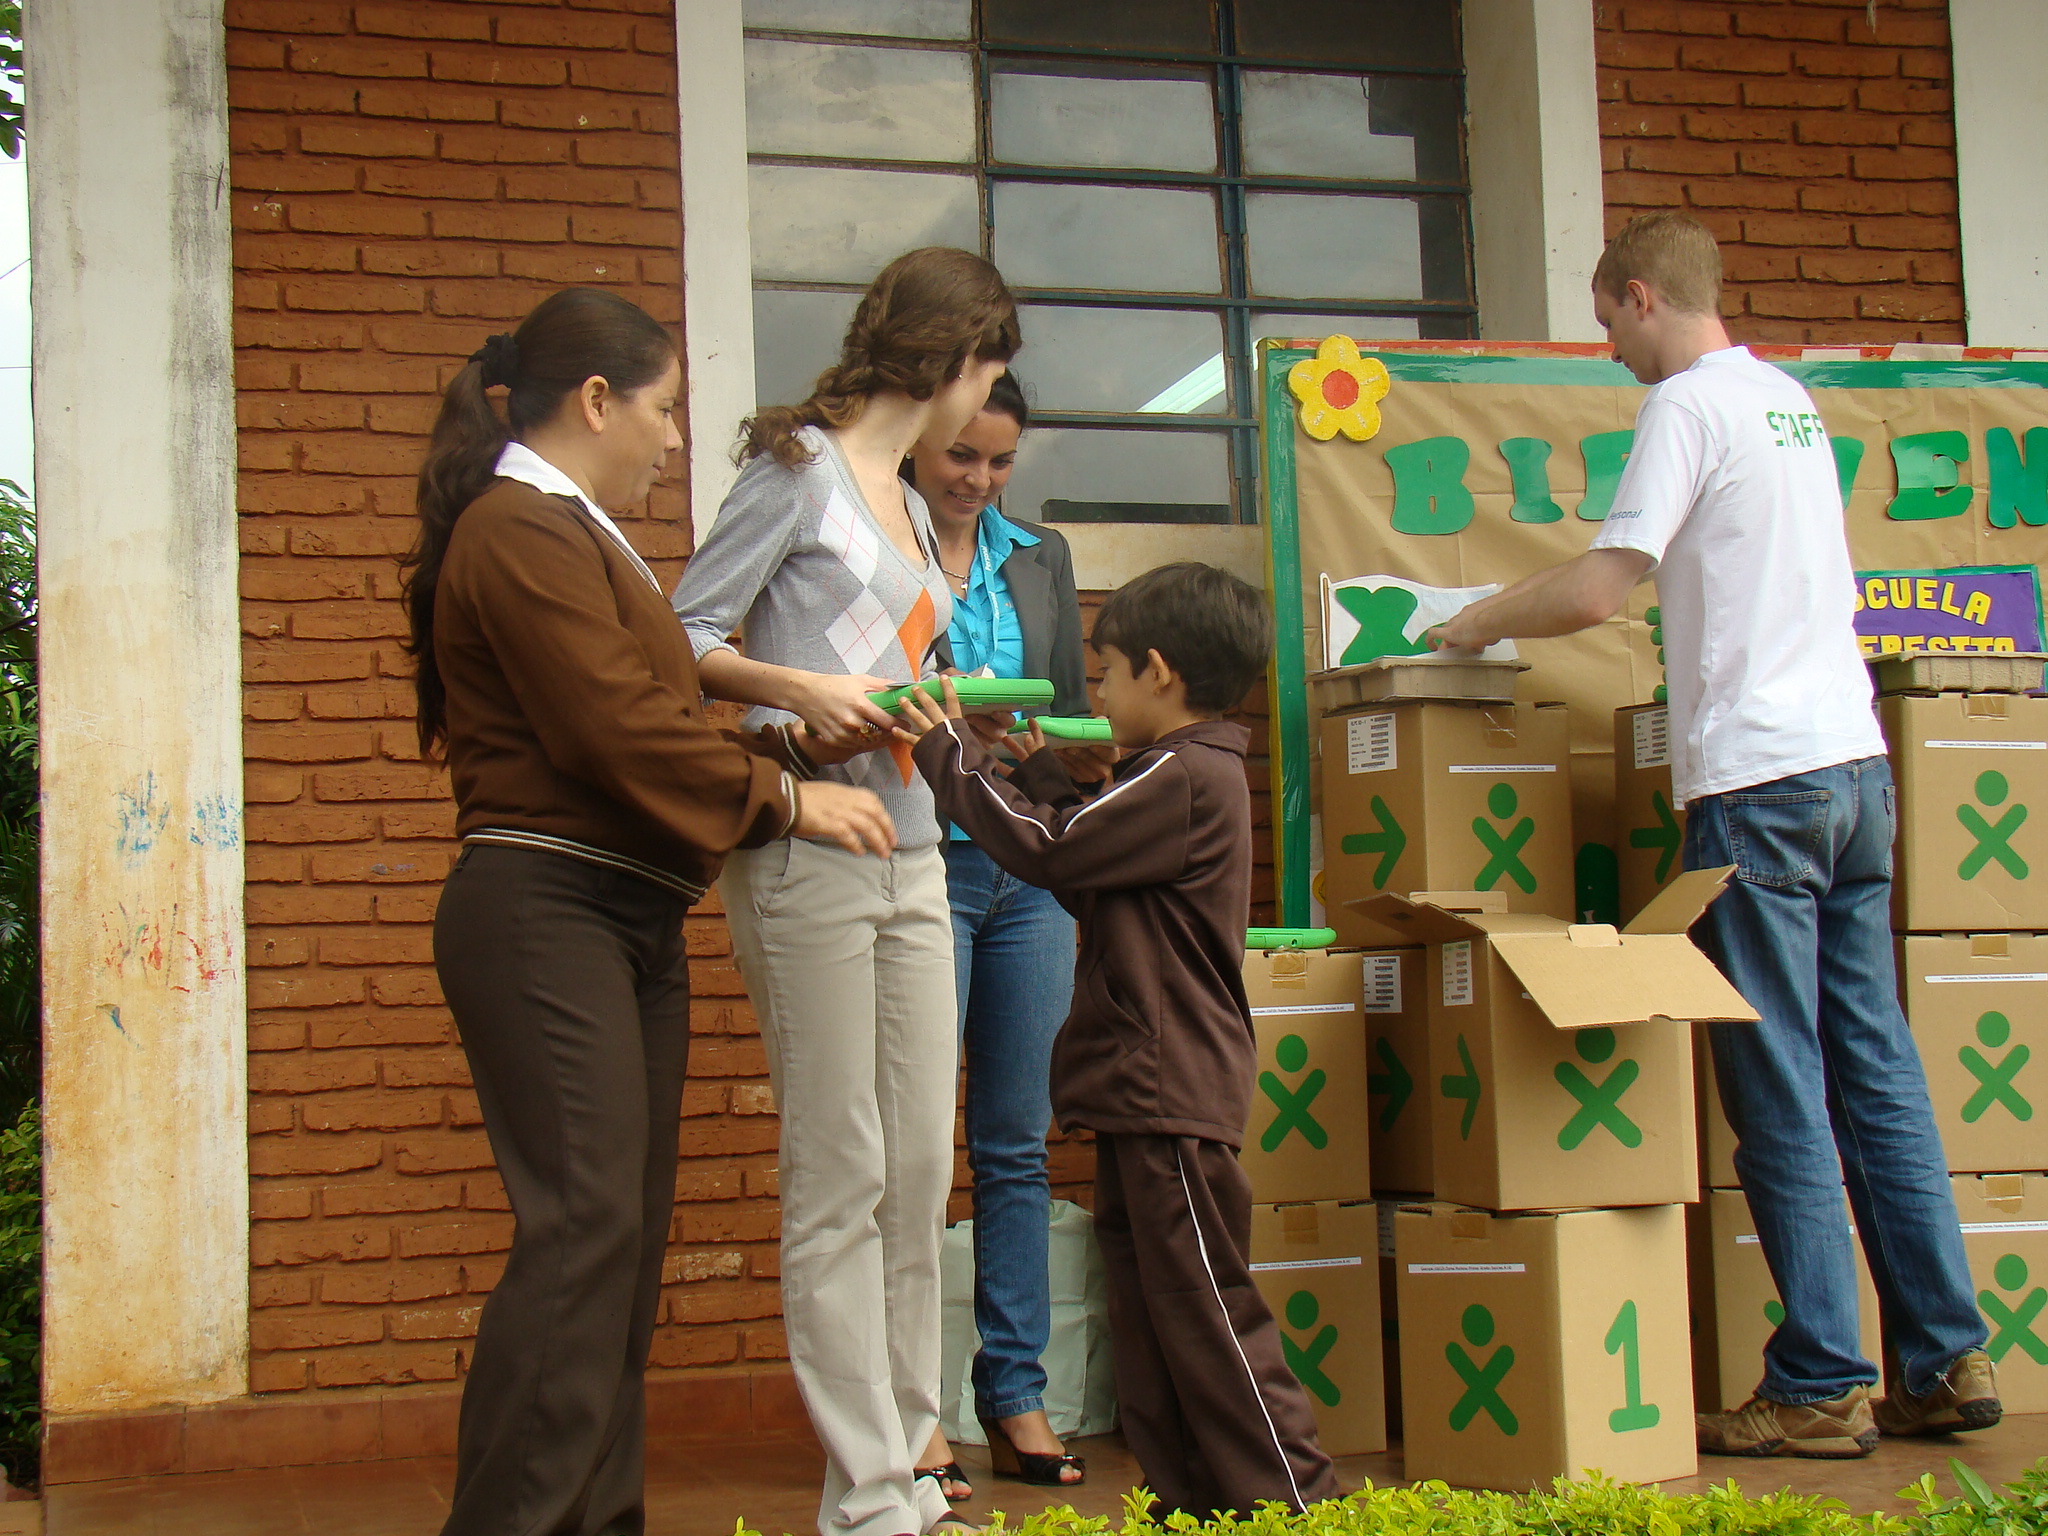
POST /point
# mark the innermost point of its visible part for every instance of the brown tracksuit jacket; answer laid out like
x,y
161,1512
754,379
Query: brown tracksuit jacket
x,y
1158,869
573,705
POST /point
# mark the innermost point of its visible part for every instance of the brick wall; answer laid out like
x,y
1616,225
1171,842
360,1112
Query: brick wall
x,y
407,178
1819,150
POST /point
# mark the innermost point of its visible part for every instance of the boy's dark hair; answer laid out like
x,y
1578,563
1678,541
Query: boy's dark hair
x,y
1215,631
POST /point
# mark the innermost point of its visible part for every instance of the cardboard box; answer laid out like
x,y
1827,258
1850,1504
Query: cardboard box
x,y
1562,1053
1544,1345
1717,1136
1649,842
1972,773
1308,1136
1735,1305
1318,1267
1979,1010
1397,1059
1446,797
1390,1316
2005,1234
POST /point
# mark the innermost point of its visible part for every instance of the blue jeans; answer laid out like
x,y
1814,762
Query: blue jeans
x,y
1829,1087
1013,952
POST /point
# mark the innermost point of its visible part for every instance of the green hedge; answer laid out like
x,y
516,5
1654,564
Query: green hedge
x,y
1592,1508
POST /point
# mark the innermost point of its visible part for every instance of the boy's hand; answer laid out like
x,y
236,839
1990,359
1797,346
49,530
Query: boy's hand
x,y
919,714
1088,763
990,730
1023,743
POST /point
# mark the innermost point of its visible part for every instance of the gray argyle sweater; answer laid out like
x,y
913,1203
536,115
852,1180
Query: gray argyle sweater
x,y
797,566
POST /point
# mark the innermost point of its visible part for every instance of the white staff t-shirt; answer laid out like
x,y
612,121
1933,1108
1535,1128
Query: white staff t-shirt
x,y
1730,487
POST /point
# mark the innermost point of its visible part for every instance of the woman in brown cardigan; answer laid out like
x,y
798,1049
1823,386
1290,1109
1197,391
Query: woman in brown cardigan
x,y
594,806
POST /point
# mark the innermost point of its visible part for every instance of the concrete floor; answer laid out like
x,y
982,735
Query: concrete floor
x,y
701,1489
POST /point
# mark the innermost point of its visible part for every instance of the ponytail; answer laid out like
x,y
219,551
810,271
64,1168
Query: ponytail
x,y
572,336
922,318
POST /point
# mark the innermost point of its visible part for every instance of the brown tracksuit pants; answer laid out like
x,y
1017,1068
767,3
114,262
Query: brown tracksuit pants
x,y
571,992
1209,1407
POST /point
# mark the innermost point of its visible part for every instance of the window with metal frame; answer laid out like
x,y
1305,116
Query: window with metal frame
x,y
1162,182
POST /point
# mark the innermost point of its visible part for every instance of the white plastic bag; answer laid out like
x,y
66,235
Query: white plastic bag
x,y
1080,1390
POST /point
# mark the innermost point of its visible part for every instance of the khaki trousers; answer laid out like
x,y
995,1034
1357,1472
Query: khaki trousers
x,y
849,961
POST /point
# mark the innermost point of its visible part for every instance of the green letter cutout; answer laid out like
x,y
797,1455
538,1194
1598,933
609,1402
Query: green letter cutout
x,y
1429,485
2019,487
1604,453
1930,483
1528,466
1848,456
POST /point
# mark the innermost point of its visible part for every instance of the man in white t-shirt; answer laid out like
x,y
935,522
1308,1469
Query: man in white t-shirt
x,y
1730,498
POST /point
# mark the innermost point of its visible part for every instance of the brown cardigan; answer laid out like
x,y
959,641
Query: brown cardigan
x,y
574,711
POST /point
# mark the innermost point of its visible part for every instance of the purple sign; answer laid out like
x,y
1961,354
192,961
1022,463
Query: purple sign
x,y
1958,608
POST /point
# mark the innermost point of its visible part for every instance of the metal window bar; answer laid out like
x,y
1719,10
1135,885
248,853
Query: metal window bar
x,y
1231,184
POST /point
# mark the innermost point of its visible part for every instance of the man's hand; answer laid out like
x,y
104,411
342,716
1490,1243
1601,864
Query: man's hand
x,y
839,813
1465,630
918,713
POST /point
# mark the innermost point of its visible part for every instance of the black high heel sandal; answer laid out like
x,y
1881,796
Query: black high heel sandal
x,y
1040,1471
950,1472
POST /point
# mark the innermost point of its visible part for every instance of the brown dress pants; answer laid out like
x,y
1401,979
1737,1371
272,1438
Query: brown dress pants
x,y
570,990
1209,1407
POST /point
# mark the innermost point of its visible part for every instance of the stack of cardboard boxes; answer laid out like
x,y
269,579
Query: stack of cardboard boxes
x,y
1970,906
1527,1097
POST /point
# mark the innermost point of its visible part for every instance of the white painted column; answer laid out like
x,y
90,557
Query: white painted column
x,y
2000,60
718,280
1533,140
144,1081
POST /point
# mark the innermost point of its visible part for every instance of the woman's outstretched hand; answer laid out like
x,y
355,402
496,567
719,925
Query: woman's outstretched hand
x,y
839,813
838,711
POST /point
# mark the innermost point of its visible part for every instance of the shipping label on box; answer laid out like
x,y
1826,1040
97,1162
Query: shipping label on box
x,y
1978,1005
2005,1234
1431,796
1972,774
1309,1137
1397,1050
1650,830
1735,1305
1318,1268
1544,1345
1561,1053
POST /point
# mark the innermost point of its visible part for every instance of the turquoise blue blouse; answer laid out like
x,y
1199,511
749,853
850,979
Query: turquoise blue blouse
x,y
985,631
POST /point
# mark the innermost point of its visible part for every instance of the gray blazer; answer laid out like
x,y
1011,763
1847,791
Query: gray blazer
x,y
1041,578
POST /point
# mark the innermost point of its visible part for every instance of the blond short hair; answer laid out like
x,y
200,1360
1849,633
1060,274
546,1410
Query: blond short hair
x,y
1670,253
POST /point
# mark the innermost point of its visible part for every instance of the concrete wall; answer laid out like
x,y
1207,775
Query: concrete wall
x,y
147,1269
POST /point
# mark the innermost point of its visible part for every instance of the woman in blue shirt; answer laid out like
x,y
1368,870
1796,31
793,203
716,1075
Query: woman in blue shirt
x,y
1014,612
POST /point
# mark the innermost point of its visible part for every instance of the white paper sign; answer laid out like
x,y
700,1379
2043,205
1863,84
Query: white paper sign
x,y
1367,617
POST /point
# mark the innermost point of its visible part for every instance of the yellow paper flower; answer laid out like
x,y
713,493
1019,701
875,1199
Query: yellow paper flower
x,y
1339,391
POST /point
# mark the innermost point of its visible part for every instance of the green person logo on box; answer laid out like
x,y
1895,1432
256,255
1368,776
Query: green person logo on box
x,y
1993,839
1504,845
1995,1086
1599,1102
1482,1392
1291,1104
1306,1360
2013,1325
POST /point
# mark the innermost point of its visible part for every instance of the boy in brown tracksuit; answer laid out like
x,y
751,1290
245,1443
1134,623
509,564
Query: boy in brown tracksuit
x,y
1157,1057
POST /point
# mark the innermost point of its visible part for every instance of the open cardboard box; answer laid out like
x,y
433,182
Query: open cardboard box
x,y
1561,1050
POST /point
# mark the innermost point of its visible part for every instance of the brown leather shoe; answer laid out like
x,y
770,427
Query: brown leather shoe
x,y
1837,1428
1966,1397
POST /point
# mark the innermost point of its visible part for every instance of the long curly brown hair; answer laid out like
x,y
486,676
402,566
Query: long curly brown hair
x,y
922,318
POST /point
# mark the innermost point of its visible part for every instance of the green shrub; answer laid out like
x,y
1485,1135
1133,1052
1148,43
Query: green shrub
x,y
21,1297
1595,1507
